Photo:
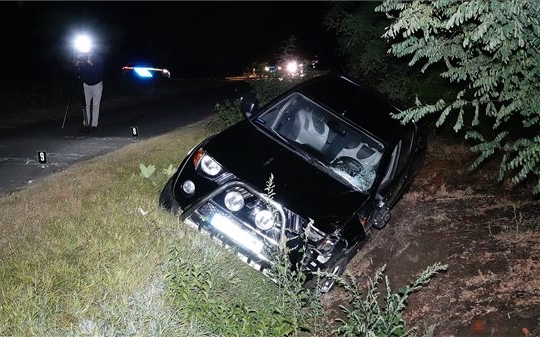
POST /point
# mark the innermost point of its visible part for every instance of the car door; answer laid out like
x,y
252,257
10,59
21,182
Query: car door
x,y
397,176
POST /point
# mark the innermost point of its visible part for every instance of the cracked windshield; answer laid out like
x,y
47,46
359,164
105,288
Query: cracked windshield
x,y
343,150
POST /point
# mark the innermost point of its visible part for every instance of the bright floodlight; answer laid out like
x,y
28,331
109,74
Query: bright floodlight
x,y
292,67
83,43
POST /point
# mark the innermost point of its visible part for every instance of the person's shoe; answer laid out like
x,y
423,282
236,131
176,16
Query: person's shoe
x,y
84,129
94,128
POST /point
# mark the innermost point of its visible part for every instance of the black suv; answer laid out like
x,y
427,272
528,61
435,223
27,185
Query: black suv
x,y
317,167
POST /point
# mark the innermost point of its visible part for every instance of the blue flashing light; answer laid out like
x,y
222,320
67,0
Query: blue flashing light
x,y
142,72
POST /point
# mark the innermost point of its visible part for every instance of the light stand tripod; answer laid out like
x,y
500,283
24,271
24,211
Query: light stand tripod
x,y
77,83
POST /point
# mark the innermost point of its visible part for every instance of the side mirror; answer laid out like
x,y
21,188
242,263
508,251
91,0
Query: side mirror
x,y
249,104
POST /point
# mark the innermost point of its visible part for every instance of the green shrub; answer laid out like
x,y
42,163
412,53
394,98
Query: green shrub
x,y
219,296
228,113
266,89
370,314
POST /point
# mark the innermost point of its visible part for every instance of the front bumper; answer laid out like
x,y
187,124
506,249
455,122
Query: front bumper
x,y
237,230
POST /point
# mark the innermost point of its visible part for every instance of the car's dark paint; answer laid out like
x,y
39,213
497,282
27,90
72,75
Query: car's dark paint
x,y
252,154
298,184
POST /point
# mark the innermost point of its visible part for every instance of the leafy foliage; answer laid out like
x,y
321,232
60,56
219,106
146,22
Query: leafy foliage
x,y
288,47
274,84
369,315
169,171
358,31
490,50
147,171
228,113
266,89
151,174
204,297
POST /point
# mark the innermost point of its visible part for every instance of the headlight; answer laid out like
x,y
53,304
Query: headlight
x,y
234,201
292,67
188,187
210,166
264,219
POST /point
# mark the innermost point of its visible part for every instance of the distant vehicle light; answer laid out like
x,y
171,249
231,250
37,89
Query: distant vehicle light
x,y
142,72
146,72
292,67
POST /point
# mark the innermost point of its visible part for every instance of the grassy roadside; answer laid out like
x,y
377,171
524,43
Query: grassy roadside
x,y
84,252
78,255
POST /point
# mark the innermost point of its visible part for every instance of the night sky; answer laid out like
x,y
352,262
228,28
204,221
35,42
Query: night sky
x,y
192,39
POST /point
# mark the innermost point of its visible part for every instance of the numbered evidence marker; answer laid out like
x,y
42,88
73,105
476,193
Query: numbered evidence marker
x,y
135,131
42,157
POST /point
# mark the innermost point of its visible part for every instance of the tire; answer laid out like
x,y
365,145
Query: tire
x,y
381,216
334,269
166,199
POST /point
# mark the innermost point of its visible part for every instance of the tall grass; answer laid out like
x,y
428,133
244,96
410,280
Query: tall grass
x,y
82,252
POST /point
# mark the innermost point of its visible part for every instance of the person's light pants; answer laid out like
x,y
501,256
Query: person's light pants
x,y
92,97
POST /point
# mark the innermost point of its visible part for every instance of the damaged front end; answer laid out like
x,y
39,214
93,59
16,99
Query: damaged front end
x,y
258,228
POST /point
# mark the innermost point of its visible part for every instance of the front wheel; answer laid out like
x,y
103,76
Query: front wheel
x,y
166,199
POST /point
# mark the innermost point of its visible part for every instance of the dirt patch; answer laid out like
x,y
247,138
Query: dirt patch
x,y
487,233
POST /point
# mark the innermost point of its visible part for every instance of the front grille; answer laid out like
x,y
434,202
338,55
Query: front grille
x,y
224,178
242,223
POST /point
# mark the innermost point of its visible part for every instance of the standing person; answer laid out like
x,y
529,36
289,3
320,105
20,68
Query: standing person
x,y
91,70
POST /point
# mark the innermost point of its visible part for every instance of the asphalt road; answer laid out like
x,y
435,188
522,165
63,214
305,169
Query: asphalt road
x,y
154,114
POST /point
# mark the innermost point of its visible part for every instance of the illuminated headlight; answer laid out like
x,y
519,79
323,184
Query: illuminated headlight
x,y
264,220
210,166
292,67
234,201
229,229
188,187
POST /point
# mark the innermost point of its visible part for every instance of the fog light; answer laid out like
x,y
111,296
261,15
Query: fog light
x,y
188,187
264,220
234,201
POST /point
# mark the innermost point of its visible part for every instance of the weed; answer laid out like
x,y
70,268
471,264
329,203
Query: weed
x,y
372,315
228,112
147,171
169,171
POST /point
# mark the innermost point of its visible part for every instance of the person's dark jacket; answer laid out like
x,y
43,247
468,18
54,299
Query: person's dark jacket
x,y
92,74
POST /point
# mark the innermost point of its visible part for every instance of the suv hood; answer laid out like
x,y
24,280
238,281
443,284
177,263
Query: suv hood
x,y
252,156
